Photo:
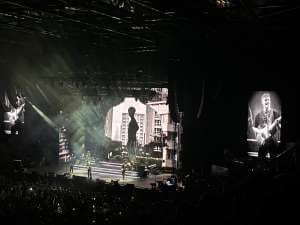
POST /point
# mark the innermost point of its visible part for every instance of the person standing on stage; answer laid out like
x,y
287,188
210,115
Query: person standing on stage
x,y
71,168
123,171
89,173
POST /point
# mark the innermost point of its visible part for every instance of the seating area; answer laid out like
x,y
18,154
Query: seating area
x,y
45,199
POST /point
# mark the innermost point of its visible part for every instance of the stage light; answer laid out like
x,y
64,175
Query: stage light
x,y
222,3
42,93
43,115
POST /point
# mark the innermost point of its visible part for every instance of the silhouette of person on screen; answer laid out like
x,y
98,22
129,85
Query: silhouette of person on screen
x,y
132,129
267,126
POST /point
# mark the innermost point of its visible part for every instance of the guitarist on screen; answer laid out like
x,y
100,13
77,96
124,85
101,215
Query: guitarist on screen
x,y
14,114
267,126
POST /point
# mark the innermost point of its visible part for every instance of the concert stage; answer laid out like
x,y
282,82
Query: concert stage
x,y
106,170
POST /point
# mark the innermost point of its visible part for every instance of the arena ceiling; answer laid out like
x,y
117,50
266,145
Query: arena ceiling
x,y
129,41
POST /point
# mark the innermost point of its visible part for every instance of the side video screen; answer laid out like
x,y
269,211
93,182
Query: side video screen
x,y
13,108
264,119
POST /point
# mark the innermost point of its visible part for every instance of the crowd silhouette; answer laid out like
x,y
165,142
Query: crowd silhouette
x,y
33,198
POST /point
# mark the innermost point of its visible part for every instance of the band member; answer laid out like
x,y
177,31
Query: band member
x,y
89,173
123,171
267,126
71,168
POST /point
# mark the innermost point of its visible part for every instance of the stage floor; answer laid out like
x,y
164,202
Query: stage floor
x,y
144,183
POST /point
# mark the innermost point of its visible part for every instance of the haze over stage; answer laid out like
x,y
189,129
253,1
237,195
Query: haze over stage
x,y
193,70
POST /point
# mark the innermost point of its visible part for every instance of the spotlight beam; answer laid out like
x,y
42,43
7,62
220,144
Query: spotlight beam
x,y
43,115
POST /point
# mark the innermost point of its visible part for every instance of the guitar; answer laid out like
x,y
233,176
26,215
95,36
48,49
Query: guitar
x,y
14,114
262,134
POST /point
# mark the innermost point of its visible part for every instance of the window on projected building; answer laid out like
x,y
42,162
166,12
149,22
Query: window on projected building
x,y
264,119
13,117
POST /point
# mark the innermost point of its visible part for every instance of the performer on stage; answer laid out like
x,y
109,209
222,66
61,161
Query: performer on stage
x,y
123,171
71,168
89,173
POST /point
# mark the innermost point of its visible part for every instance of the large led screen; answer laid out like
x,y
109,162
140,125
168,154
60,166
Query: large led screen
x,y
264,119
13,116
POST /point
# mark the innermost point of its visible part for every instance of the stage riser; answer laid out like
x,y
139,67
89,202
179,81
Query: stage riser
x,y
106,171
99,169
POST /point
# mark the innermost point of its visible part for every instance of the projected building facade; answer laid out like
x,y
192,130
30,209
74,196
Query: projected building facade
x,y
155,126
164,133
63,151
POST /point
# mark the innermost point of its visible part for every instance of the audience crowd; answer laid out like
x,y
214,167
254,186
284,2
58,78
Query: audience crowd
x,y
31,198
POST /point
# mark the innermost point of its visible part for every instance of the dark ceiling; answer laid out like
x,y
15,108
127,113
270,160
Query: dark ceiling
x,y
138,41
